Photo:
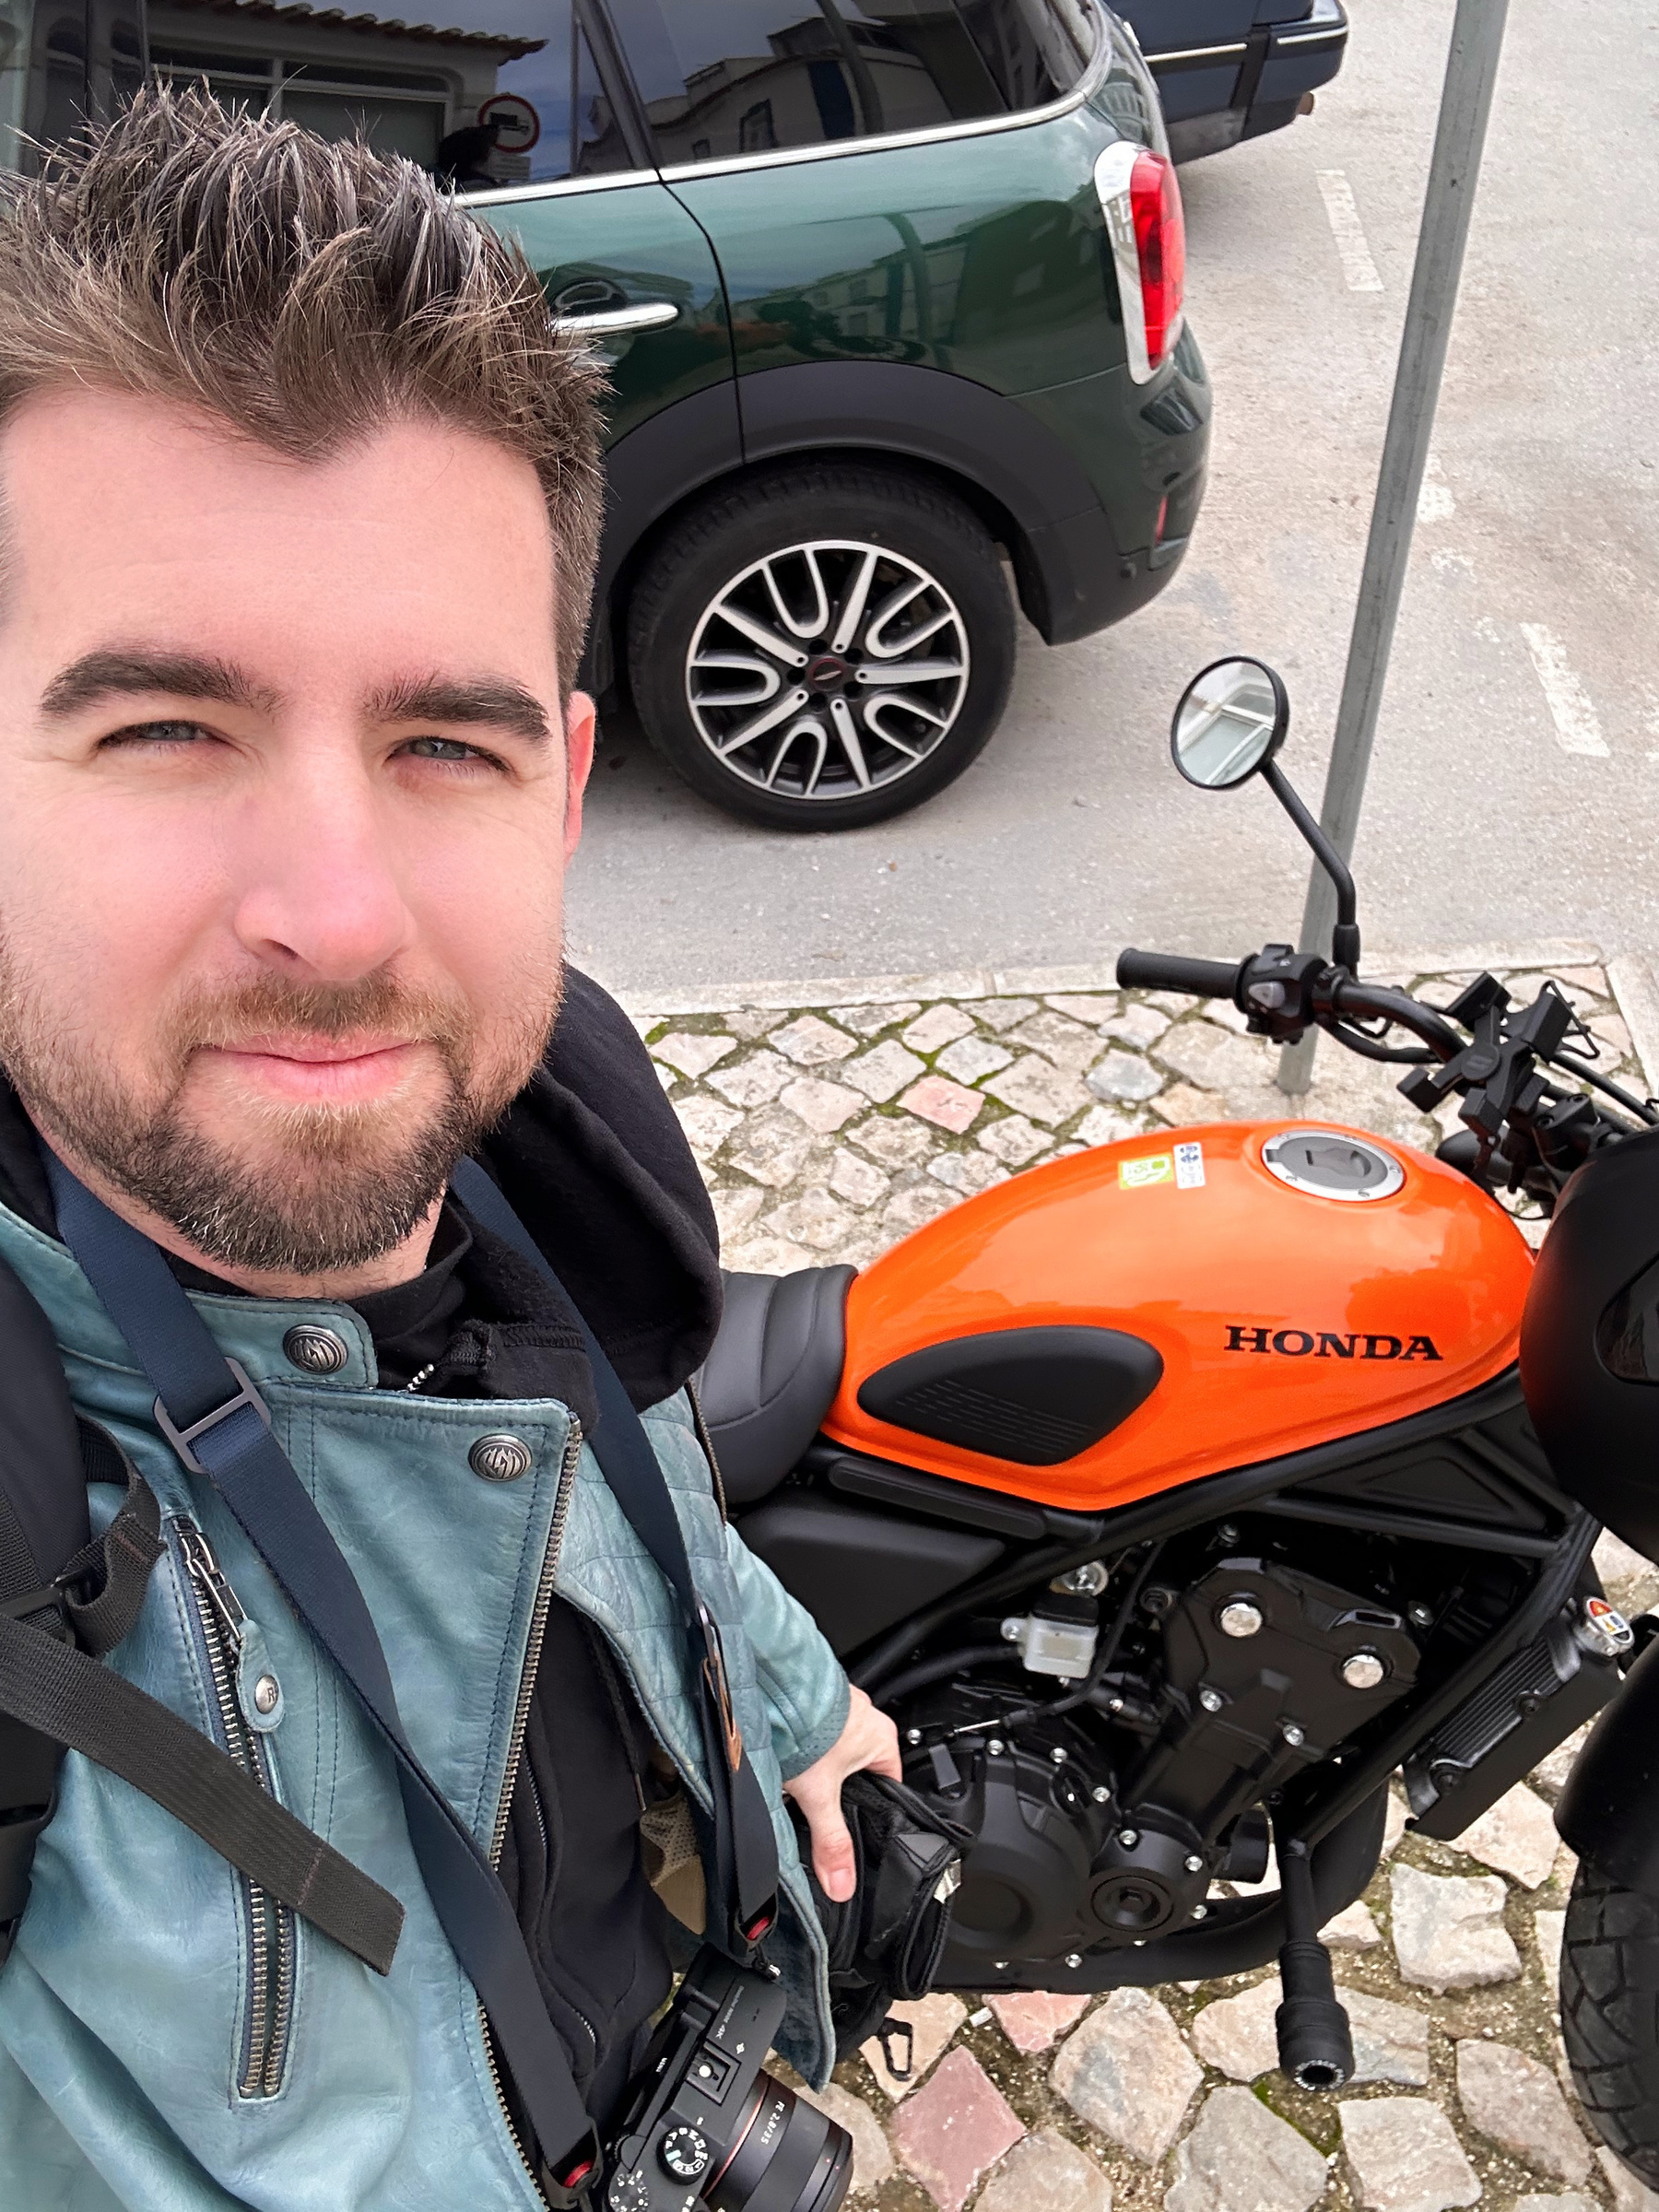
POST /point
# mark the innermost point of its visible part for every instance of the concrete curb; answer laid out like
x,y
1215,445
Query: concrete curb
x,y
1089,975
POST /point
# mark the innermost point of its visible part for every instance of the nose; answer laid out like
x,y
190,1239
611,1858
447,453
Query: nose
x,y
322,898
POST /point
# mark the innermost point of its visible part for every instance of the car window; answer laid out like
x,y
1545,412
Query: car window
x,y
491,92
725,77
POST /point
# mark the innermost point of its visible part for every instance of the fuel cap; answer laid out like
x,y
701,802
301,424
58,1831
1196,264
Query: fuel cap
x,y
1327,1164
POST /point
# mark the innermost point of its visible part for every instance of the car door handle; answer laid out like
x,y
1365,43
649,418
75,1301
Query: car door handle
x,y
610,321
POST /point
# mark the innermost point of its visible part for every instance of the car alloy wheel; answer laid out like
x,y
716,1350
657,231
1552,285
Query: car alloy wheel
x,y
827,669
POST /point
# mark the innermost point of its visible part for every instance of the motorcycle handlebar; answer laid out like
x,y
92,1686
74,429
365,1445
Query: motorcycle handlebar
x,y
1172,971
1374,1002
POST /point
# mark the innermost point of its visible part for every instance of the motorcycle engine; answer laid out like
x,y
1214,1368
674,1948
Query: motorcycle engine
x,y
1104,1810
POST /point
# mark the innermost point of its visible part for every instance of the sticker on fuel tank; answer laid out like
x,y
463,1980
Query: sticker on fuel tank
x,y
1183,1167
1189,1166
1140,1174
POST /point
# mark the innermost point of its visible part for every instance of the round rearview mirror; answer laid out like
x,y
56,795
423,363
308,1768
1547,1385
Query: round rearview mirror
x,y
1230,721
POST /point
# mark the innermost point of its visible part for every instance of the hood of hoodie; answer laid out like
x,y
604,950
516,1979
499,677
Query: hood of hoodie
x,y
593,1159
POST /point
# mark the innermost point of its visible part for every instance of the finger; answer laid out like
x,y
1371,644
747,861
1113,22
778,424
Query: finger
x,y
889,1761
832,1859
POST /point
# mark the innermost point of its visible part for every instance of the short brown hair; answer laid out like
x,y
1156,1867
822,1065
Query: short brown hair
x,y
308,293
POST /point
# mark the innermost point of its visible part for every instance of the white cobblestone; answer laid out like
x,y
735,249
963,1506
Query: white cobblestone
x,y
932,1031
1241,2157
810,1042
824,1107
1629,2194
754,1081
884,1071
692,1052
1046,2173
816,1218
1449,1931
771,1148
1139,1025
869,1022
707,1122
967,1171
859,1181
1092,1006
1517,2102
1127,2072
971,1058
999,1014
1124,1078
909,1210
892,1139
1014,1140
1516,1836
1404,2156
1037,1087
1069,1044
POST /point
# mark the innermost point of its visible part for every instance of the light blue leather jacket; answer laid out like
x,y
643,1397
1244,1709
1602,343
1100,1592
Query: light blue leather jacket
x,y
168,2044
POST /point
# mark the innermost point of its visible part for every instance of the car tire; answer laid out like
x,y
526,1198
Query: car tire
x,y
785,607
1610,2014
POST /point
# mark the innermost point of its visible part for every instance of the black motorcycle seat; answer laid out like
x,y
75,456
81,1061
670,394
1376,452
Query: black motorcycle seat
x,y
772,1374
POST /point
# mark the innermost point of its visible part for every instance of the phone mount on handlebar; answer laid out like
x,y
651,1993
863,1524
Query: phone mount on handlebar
x,y
1229,725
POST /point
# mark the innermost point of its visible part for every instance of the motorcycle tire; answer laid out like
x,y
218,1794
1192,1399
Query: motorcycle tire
x,y
1610,2015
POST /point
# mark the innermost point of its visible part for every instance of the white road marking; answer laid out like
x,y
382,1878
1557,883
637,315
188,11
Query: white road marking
x,y
1348,231
1435,503
1578,729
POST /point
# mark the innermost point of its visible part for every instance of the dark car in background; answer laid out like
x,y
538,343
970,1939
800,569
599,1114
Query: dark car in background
x,y
891,292
1231,69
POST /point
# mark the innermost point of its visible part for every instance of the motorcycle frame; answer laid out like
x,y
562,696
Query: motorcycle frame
x,y
1336,1808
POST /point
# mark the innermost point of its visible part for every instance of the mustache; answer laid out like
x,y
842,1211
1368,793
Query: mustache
x,y
269,1003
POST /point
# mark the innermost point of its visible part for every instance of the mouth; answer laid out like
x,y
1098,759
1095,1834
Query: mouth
x,y
309,1070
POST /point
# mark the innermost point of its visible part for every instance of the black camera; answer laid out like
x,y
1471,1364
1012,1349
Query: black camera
x,y
707,2125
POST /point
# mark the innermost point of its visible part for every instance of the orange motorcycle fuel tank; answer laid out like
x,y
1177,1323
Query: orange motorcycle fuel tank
x,y
1299,1283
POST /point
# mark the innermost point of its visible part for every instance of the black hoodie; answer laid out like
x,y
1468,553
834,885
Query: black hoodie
x,y
592,1157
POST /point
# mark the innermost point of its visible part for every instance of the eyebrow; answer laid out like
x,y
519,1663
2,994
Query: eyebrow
x,y
135,673
495,702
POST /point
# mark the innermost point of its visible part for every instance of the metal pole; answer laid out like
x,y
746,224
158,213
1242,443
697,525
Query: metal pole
x,y
1465,103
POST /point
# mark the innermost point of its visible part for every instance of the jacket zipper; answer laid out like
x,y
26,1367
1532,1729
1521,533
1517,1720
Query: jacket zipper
x,y
520,1722
270,1925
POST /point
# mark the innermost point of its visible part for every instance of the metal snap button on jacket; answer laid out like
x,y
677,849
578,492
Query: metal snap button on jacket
x,y
318,1350
500,1458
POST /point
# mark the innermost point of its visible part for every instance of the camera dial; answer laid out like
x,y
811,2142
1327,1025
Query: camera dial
x,y
684,2153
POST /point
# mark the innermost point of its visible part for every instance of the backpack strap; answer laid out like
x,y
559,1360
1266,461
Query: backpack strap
x,y
745,1848
55,1696
71,1700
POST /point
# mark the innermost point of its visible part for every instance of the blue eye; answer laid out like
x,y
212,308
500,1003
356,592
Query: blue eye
x,y
442,749
158,733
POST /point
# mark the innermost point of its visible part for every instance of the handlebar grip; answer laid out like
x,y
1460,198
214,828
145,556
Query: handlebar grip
x,y
1172,971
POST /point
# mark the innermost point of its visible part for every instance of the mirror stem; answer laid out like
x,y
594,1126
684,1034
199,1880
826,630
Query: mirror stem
x,y
1345,936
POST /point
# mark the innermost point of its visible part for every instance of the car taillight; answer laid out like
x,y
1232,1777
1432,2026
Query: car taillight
x,y
1141,202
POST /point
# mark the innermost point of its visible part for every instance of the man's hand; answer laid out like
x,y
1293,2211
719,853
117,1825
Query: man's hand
x,y
868,1740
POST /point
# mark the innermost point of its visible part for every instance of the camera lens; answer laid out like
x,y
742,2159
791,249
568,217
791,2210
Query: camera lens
x,y
786,2156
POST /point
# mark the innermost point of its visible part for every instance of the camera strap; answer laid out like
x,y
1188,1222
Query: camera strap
x,y
218,1424
745,1850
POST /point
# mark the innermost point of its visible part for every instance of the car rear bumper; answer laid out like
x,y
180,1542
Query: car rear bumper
x,y
1214,95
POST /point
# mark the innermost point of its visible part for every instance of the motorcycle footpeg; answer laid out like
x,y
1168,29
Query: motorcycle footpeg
x,y
1315,2043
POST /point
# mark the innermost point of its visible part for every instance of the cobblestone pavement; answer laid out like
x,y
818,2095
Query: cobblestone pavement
x,y
828,1130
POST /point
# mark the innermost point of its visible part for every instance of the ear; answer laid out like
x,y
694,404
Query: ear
x,y
579,719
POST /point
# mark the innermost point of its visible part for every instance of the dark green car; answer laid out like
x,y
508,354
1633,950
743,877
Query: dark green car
x,y
890,289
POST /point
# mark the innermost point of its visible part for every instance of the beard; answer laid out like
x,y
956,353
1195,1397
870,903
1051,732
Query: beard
x,y
300,1189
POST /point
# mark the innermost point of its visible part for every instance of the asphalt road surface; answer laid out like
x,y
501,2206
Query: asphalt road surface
x,y
1514,789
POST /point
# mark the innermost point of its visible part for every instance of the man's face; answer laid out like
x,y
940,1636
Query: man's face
x,y
286,803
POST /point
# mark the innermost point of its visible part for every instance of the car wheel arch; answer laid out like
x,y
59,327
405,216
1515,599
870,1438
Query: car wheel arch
x,y
913,420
